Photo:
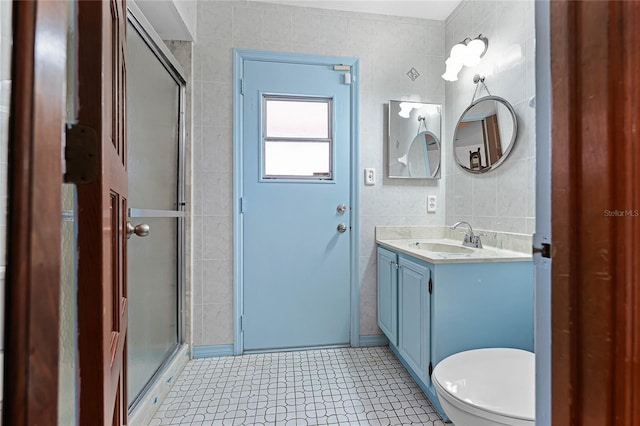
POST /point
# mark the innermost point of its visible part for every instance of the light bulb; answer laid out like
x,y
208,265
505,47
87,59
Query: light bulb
x,y
458,51
474,49
405,109
476,46
454,65
471,60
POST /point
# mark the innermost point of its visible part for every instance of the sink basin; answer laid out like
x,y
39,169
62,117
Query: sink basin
x,y
442,248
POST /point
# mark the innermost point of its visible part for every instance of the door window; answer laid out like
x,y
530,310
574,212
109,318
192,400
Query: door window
x,y
297,138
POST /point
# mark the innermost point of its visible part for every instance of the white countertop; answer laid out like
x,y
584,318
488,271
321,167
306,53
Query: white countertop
x,y
485,254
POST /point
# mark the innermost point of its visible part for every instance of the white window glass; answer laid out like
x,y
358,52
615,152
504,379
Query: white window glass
x,y
299,159
293,118
297,141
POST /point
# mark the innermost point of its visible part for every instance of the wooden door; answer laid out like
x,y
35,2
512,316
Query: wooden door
x,y
102,208
595,199
33,232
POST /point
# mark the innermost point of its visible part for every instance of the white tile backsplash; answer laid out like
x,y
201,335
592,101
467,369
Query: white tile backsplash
x,y
501,240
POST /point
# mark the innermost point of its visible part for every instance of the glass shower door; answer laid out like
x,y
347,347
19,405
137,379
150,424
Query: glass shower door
x,y
155,265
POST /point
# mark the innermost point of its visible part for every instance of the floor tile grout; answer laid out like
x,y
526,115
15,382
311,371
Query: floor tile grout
x,y
347,386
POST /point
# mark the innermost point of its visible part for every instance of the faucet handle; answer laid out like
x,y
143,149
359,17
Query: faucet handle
x,y
475,240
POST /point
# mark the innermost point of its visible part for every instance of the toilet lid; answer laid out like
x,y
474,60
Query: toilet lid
x,y
498,380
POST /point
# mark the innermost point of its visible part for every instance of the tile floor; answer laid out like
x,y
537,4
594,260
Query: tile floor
x,y
350,386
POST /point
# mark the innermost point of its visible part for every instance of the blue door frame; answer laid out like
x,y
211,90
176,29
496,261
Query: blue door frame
x,y
240,55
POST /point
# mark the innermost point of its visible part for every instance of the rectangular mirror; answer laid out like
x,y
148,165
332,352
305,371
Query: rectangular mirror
x,y
414,140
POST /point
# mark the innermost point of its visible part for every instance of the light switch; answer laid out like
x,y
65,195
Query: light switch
x,y
431,204
369,176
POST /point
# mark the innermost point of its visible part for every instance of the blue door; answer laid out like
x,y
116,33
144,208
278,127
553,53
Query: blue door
x,y
295,203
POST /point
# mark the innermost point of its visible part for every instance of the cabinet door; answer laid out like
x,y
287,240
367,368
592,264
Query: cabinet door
x,y
388,294
414,316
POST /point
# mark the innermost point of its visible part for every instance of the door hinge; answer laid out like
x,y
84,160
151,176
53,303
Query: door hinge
x,y
241,204
430,369
241,322
430,285
81,154
544,250
242,86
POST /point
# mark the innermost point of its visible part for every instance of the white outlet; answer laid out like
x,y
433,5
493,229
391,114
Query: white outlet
x,y
369,176
431,204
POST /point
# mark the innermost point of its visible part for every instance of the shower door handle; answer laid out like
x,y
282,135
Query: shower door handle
x,y
141,230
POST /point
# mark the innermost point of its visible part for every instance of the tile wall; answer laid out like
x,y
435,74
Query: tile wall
x,y
388,48
504,199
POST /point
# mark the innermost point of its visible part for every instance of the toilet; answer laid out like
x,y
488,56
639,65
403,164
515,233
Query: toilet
x,y
487,387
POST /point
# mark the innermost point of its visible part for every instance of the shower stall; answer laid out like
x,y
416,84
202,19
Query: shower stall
x,y
156,159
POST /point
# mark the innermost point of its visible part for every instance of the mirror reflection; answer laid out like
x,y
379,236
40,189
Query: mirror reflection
x,y
485,134
414,140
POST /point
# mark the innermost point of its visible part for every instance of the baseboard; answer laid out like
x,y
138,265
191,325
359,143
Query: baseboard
x,y
210,351
150,402
373,340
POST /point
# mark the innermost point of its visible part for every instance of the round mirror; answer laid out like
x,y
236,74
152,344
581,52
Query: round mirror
x,y
485,134
423,158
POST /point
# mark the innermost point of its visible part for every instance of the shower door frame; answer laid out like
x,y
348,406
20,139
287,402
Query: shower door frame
x,y
162,53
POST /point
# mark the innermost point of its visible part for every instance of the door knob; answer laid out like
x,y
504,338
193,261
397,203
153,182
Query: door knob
x,y
342,228
341,208
141,230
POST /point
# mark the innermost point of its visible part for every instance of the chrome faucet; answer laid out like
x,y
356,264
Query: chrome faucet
x,y
470,239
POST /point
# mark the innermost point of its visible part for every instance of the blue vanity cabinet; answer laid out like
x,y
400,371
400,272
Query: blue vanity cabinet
x,y
414,315
388,294
445,308
481,305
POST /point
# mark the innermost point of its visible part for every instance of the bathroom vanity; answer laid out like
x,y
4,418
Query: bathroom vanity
x,y
437,298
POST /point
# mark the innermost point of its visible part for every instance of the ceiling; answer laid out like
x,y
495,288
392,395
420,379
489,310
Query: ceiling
x,y
425,9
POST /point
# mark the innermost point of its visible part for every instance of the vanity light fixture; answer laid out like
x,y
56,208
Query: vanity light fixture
x,y
466,53
407,107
